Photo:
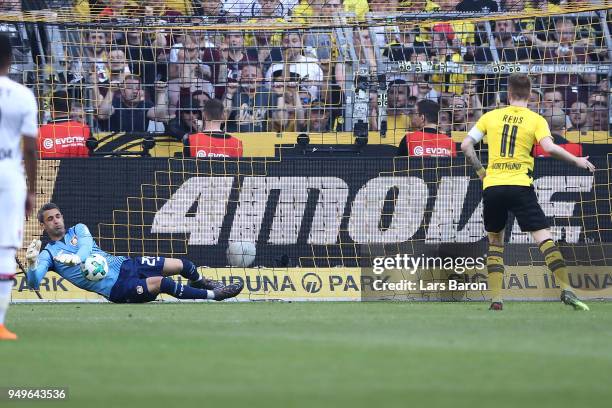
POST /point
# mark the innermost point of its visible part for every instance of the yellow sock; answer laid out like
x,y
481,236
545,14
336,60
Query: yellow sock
x,y
555,262
495,271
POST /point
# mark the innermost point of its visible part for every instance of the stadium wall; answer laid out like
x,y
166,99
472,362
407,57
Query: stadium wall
x,y
316,219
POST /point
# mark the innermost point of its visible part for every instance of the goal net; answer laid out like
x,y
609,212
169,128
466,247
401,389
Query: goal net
x,y
322,95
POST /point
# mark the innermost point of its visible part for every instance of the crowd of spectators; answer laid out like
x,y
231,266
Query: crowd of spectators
x,y
159,77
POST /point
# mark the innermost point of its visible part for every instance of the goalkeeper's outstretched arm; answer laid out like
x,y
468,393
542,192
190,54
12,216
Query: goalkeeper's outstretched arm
x,y
557,152
38,264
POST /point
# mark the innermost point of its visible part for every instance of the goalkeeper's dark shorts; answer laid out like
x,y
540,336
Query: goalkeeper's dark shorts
x,y
521,201
131,286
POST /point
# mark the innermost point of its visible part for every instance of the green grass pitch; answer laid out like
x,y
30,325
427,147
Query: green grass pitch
x,y
312,354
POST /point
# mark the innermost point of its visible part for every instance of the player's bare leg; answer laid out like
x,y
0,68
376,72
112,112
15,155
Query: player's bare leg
x,y
495,268
7,258
555,262
5,298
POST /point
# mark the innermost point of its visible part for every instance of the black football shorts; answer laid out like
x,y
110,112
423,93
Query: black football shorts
x,y
521,201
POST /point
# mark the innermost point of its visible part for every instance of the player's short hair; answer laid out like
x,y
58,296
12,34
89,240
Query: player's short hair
x,y
46,207
6,51
429,109
519,86
214,110
59,102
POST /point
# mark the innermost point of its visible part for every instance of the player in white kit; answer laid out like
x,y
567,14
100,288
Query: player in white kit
x,y
18,120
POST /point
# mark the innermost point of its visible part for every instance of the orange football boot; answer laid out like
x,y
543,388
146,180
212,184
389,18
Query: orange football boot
x,y
6,334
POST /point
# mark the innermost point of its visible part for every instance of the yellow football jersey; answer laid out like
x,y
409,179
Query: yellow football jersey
x,y
511,133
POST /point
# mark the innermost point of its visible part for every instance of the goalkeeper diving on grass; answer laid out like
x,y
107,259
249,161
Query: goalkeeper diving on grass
x,y
128,280
508,184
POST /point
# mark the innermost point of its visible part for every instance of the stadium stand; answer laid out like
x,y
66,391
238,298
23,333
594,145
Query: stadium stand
x,y
130,66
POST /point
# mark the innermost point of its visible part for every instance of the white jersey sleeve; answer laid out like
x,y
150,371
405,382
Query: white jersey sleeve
x,y
476,134
18,118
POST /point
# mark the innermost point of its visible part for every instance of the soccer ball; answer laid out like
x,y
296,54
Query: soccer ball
x,y
241,254
94,268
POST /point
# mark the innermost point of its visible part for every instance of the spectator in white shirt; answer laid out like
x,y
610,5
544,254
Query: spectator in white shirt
x,y
308,69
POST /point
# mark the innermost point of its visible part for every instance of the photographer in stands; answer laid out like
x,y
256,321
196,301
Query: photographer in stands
x,y
62,136
426,141
212,141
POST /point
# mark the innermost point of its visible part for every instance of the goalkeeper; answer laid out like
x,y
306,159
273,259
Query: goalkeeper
x,y
508,184
129,280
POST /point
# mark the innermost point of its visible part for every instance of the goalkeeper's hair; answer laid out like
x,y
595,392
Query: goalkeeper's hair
x,y
46,207
6,51
519,86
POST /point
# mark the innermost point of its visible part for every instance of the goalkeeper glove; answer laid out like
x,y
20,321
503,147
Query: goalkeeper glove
x,y
32,253
68,259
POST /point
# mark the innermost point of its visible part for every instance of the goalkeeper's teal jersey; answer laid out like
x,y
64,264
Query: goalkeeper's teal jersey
x,y
78,240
